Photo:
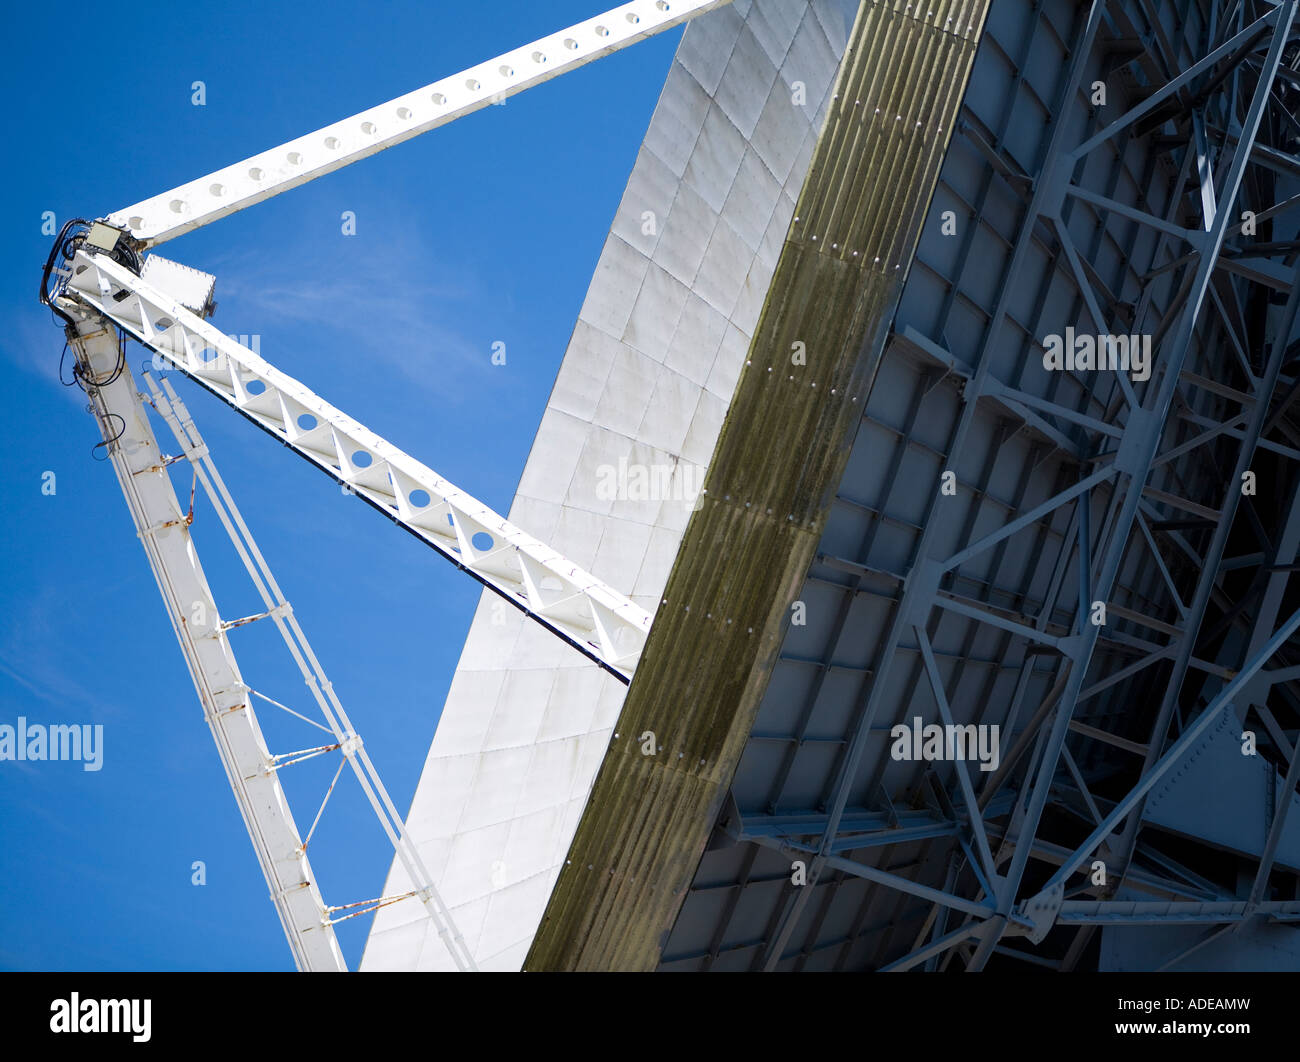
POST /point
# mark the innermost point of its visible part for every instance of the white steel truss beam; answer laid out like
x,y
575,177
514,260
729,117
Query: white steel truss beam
x,y
226,191
163,528
346,740
593,617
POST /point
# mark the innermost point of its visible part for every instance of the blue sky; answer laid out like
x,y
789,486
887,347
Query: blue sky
x,y
486,230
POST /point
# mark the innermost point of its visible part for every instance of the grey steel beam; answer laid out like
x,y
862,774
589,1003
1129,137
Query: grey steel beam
x,y
974,813
1154,913
1235,47
1171,758
941,944
1147,430
1182,483
915,595
1213,557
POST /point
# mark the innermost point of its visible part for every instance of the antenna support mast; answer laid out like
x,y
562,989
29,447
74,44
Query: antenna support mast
x,y
97,282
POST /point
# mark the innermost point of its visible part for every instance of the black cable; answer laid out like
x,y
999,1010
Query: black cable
x,y
62,358
61,243
67,243
86,382
109,442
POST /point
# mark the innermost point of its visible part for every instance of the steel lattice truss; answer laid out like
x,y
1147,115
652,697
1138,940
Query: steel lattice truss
x,y
1126,216
104,291
567,600
1171,209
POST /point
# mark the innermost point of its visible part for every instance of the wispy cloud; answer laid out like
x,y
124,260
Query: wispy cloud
x,y
34,635
32,341
390,301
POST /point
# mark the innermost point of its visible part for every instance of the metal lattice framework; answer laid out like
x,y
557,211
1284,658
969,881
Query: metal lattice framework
x,y
104,291
1102,586
1166,209
571,603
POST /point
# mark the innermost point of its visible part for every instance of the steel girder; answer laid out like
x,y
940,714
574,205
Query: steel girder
x,y
164,531
225,695
1155,497
257,178
591,616
95,294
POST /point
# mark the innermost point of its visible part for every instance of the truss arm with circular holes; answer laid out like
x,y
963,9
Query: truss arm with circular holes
x,y
226,191
163,529
592,616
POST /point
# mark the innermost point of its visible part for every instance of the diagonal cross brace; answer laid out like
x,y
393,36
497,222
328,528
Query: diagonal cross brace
x,y
259,177
595,618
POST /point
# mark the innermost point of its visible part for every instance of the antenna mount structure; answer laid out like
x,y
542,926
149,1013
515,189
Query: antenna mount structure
x,y
106,284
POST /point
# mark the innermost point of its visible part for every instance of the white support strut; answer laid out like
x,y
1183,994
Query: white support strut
x,y
596,619
163,528
197,203
347,740
96,293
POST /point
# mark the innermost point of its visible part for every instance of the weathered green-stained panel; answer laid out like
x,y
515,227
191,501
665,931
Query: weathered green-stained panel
x,y
781,453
